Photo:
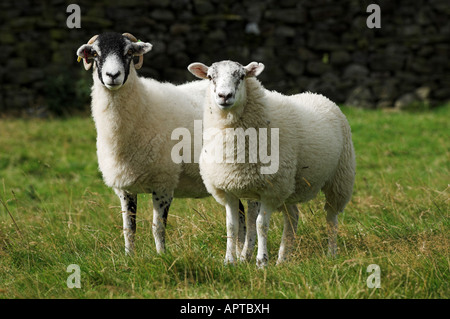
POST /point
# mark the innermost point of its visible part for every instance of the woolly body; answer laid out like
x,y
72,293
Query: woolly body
x,y
134,127
314,139
134,118
315,152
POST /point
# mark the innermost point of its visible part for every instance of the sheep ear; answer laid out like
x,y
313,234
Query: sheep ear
x,y
84,52
199,70
141,48
254,69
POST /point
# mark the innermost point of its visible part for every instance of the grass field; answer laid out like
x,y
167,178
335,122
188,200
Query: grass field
x,y
55,211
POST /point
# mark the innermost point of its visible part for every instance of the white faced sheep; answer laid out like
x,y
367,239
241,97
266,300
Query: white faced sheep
x,y
311,139
134,119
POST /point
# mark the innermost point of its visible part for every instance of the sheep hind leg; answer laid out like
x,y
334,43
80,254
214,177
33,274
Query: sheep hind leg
x,y
161,204
242,229
128,204
332,228
262,228
335,204
338,192
250,235
291,214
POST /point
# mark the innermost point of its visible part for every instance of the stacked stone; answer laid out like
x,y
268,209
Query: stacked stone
x,y
321,46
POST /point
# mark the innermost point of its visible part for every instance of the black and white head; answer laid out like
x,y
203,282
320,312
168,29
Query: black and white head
x,y
112,54
227,80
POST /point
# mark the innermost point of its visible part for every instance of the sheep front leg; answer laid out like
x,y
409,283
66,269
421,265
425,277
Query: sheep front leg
x,y
232,220
250,235
262,228
161,204
128,203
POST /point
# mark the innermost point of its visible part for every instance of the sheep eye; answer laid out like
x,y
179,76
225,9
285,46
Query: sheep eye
x,y
94,53
242,76
209,77
130,52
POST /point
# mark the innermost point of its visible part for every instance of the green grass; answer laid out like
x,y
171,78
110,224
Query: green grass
x,y
56,211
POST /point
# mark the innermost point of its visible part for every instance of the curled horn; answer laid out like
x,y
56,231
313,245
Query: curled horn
x,y
87,65
132,38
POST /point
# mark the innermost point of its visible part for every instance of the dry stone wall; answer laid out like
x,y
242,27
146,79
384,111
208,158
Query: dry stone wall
x,y
321,46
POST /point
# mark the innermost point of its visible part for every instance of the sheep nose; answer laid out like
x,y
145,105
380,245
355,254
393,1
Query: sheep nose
x,y
113,76
225,96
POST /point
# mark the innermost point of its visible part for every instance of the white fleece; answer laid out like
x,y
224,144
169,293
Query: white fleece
x,y
315,153
314,146
134,127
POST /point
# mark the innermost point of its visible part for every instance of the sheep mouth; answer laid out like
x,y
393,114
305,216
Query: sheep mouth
x,y
225,105
113,86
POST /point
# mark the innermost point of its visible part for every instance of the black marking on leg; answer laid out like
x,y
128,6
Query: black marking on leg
x,y
131,204
163,204
242,217
166,212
